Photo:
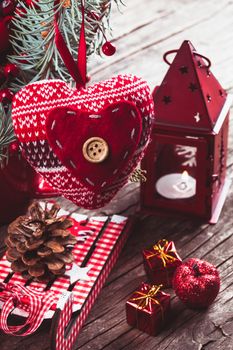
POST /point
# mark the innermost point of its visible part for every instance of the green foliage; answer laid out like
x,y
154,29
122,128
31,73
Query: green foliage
x,y
33,35
6,135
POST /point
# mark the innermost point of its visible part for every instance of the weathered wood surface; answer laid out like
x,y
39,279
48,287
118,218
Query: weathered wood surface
x,y
142,34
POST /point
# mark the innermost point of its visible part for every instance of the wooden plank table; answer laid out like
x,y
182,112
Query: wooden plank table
x,y
142,34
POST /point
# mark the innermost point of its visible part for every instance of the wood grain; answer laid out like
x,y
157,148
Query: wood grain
x,y
142,34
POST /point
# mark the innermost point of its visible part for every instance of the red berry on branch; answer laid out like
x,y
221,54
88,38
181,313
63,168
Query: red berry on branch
x,y
6,96
11,70
88,78
196,283
108,48
7,7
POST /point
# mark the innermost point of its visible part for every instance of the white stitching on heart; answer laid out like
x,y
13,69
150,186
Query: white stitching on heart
x,y
125,155
90,182
95,116
115,110
72,164
115,171
58,144
103,184
133,114
53,124
71,112
132,134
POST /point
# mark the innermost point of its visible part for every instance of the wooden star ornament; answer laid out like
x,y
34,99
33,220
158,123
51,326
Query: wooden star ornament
x,y
77,273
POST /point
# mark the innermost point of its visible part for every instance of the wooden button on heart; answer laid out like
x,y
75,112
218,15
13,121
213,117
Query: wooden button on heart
x,y
95,150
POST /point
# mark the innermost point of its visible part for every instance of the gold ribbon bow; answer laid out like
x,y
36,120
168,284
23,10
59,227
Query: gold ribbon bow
x,y
146,298
160,250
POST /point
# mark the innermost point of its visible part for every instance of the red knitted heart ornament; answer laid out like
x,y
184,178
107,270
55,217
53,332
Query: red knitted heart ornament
x,y
55,123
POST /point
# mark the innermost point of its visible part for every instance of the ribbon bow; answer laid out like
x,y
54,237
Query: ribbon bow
x,y
146,298
37,303
15,292
162,250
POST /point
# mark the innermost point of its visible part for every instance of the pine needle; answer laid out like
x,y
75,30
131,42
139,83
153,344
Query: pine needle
x,y
7,135
34,50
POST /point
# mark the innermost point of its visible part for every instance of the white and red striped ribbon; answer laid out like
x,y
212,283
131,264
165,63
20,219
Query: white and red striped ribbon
x,y
39,303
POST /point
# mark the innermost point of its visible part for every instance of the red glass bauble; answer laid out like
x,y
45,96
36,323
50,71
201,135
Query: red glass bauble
x,y
108,48
19,183
196,283
6,96
7,7
42,188
17,180
11,70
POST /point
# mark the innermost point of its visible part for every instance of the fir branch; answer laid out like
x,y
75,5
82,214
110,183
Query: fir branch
x,y
33,34
7,135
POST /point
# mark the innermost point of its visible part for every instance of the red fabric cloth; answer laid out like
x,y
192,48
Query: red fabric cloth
x,y
72,130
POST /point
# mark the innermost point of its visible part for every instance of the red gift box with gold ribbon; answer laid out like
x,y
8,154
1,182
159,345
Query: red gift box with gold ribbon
x,y
147,309
160,262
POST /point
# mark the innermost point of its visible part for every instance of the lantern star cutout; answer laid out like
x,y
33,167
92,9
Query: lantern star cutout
x,y
167,99
183,70
193,87
77,273
208,98
221,93
197,117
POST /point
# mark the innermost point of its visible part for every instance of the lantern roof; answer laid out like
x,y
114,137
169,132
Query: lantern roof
x,y
190,97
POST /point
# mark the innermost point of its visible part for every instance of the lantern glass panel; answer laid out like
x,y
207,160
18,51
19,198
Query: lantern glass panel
x,y
177,172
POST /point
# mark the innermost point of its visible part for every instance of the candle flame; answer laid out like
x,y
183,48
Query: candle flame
x,y
184,176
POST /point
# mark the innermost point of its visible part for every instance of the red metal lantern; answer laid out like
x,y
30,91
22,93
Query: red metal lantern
x,y
186,160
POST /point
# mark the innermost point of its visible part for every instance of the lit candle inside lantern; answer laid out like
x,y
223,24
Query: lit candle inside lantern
x,y
176,186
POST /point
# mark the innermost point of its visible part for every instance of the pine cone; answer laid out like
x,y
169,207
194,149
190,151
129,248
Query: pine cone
x,y
39,244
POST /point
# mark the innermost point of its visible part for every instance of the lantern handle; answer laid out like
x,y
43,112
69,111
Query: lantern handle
x,y
194,52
